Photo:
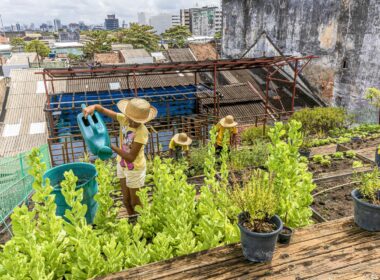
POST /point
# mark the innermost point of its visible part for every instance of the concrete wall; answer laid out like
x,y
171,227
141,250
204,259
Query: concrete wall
x,y
342,32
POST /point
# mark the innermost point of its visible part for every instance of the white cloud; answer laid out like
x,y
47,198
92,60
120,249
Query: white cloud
x,y
89,11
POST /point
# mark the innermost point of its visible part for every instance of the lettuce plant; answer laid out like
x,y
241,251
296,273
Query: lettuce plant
x,y
293,182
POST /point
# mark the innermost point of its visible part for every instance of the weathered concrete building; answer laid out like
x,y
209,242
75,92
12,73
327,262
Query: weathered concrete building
x,y
345,34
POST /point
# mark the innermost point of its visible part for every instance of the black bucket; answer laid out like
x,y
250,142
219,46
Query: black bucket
x,y
259,247
305,153
366,215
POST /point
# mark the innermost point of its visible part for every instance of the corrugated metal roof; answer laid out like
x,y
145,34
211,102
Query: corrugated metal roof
x,y
22,58
24,107
134,53
180,55
231,94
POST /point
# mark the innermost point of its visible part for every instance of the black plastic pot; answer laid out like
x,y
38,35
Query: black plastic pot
x,y
366,215
356,139
283,237
305,152
377,157
259,247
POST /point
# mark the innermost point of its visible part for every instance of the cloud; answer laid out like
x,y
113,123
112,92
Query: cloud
x,y
89,11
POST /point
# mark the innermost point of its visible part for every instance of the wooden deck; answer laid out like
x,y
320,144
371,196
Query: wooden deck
x,y
332,250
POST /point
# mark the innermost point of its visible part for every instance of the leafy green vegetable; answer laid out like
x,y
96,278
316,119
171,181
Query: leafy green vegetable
x,y
350,154
369,185
338,155
357,164
293,182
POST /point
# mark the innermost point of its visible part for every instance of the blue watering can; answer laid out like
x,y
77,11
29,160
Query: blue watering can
x,y
95,134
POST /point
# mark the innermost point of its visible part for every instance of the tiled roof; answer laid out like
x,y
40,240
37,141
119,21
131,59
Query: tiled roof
x,y
134,53
107,58
204,51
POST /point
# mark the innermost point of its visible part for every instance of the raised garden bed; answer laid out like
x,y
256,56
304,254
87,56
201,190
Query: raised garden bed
x,y
364,143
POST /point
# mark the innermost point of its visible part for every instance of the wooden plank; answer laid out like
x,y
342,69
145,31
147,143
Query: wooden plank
x,y
309,251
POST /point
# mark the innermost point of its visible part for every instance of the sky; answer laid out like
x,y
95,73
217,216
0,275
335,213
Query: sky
x,y
88,11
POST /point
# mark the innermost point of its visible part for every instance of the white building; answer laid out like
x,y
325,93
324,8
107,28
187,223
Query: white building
x,y
141,18
19,61
176,20
161,22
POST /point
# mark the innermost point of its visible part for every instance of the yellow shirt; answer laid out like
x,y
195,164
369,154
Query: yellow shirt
x,y
173,145
127,136
220,130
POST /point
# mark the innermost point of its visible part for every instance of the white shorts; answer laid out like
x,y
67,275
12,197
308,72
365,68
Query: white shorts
x,y
134,178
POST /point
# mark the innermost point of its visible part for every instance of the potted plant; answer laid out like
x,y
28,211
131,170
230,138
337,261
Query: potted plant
x,y
367,201
258,224
305,148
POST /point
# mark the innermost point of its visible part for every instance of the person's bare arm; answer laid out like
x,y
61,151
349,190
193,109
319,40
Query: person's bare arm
x,y
131,155
97,107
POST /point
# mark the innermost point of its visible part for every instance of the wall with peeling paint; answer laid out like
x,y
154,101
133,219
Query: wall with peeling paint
x,y
342,32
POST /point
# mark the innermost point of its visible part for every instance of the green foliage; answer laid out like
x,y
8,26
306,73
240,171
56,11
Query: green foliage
x,y
293,182
350,154
171,223
369,186
251,134
218,35
357,164
317,158
321,120
99,42
39,47
73,57
373,96
139,36
18,42
177,35
197,159
254,156
257,197
338,155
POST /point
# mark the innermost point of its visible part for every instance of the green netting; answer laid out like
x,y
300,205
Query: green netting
x,y
15,182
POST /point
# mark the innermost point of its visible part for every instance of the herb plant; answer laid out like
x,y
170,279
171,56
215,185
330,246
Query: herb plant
x,y
369,186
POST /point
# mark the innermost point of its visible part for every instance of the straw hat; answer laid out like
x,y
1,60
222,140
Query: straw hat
x,y
137,109
228,121
182,139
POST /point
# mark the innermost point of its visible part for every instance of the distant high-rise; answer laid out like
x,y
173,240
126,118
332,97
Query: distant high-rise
x,y
176,20
18,27
141,18
111,22
205,21
185,17
57,25
161,22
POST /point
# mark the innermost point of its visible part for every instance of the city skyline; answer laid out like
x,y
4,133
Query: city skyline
x,y
26,12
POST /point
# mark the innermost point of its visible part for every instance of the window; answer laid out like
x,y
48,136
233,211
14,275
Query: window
x,y
37,128
345,64
11,130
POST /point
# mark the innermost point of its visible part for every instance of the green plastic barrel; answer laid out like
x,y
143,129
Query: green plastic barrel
x,y
86,174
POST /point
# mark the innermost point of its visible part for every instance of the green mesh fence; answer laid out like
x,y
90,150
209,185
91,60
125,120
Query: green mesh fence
x,y
15,182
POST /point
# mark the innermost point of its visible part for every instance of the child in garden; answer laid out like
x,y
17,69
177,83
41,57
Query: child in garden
x,y
133,136
227,123
180,145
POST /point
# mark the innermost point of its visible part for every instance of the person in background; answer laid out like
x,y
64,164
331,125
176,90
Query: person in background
x,y
180,145
226,123
133,136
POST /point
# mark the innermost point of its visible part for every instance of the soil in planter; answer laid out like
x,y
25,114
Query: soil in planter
x,y
260,226
335,204
365,143
336,164
332,183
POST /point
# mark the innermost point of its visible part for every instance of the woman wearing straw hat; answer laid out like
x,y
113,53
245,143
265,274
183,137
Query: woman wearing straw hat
x,y
227,123
133,136
179,145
